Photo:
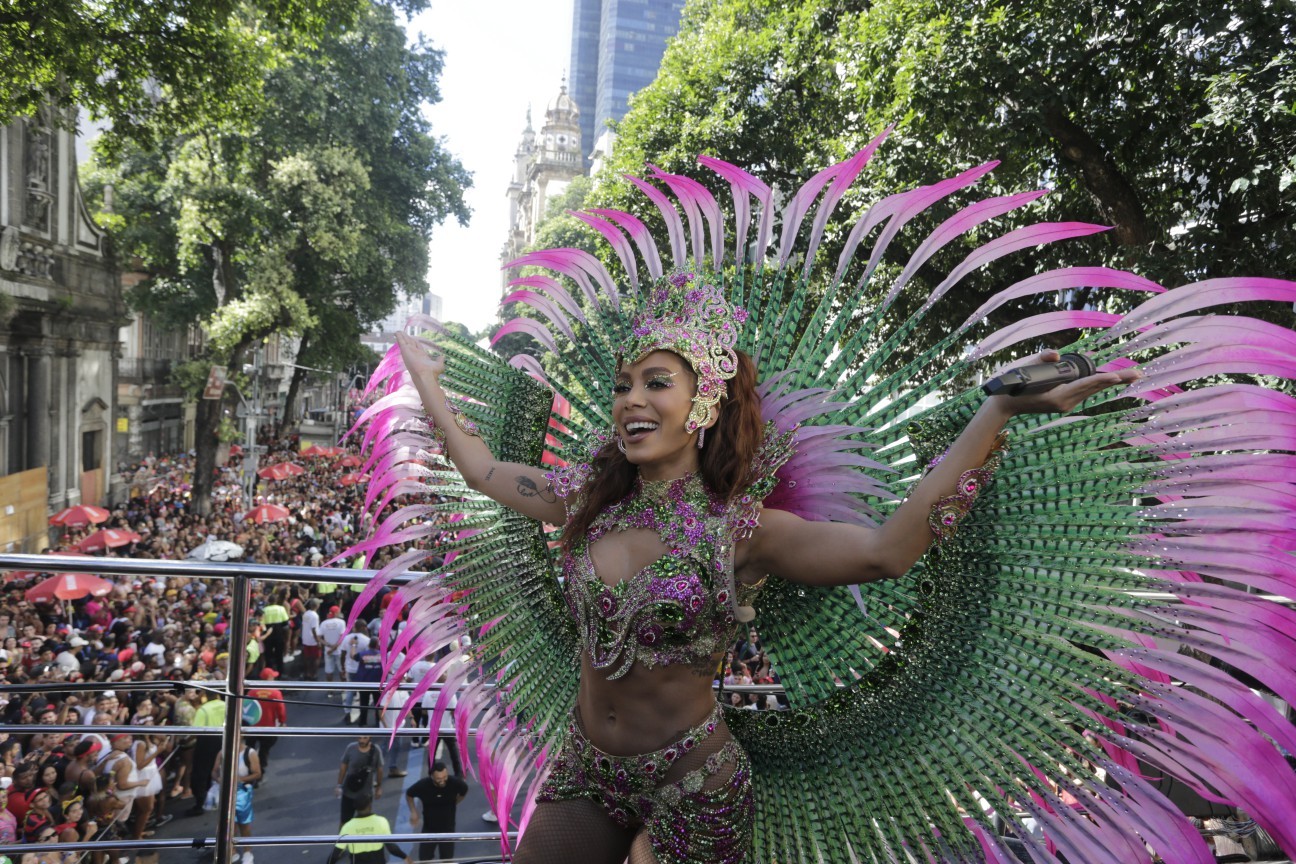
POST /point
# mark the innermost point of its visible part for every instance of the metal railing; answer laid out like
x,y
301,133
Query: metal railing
x,y
225,844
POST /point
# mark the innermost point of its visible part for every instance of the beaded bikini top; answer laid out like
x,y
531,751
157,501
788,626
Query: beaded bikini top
x,y
678,609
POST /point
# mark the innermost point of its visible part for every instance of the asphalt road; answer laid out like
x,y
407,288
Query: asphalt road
x,y
297,795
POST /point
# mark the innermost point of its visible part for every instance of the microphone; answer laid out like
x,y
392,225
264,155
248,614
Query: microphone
x,y
1039,377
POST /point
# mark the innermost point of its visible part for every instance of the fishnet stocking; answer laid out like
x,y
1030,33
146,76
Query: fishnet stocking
x,y
562,832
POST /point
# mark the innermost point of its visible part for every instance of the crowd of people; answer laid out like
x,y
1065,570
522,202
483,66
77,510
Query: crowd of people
x,y
69,786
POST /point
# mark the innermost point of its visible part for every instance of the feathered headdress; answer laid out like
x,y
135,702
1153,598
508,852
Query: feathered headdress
x,y
685,315
1093,637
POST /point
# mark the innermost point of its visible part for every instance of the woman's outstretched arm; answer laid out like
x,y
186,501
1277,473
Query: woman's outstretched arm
x,y
517,486
833,553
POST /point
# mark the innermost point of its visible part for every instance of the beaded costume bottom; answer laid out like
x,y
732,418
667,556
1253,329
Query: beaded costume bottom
x,y
693,808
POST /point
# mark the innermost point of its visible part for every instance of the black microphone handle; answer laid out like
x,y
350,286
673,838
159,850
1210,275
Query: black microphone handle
x,y
1039,377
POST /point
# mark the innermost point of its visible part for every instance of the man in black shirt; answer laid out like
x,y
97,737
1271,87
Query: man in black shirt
x,y
438,795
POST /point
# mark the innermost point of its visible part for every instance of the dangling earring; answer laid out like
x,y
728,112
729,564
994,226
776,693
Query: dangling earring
x,y
620,443
701,435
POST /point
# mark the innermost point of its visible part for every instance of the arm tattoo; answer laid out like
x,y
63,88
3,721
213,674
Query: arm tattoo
x,y
527,488
490,473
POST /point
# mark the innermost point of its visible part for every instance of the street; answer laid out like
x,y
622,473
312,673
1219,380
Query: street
x,y
297,795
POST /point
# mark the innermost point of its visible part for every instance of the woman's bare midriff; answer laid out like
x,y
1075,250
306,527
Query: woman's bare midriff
x,y
645,709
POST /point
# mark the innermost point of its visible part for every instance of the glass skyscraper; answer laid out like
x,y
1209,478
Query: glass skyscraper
x,y
617,46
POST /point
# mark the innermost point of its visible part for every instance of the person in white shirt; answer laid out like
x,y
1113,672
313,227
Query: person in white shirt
x,y
330,633
310,640
68,659
389,718
352,645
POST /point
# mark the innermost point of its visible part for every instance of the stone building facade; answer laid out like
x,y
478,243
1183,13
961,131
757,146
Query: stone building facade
x,y
153,414
543,165
59,317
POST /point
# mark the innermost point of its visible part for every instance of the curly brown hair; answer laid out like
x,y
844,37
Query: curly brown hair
x,y
726,460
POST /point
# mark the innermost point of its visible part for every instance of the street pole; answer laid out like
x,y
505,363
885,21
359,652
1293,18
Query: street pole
x,y
233,734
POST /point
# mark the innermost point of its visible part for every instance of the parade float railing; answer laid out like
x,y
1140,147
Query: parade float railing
x,y
225,845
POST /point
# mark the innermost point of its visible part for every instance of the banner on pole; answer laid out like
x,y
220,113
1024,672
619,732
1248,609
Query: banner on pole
x,y
215,383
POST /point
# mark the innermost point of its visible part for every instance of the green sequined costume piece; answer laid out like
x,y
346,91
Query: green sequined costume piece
x,y
1097,622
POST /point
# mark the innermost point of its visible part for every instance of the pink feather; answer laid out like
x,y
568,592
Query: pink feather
x,y
615,239
742,186
671,216
1039,325
641,236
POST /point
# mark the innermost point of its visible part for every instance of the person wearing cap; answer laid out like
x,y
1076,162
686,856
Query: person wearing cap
x,y
273,713
369,670
365,822
38,816
69,659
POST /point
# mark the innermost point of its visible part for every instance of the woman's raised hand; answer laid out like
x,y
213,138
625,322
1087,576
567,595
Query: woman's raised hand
x,y
420,362
1064,397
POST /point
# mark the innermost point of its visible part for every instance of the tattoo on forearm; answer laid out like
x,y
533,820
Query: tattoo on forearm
x,y
527,488
705,667
490,473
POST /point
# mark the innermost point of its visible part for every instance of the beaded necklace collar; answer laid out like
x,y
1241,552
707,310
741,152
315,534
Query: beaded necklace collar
x,y
678,510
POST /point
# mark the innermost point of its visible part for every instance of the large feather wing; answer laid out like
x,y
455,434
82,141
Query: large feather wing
x,y
1095,625
497,586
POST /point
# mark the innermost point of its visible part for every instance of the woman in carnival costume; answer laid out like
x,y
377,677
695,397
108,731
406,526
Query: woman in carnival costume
x,y
729,438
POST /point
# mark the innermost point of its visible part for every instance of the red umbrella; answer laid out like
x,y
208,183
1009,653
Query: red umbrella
x,y
281,471
272,472
350,461
236,450
334,451
81,514
353,478
314,450
266,513
68,586
108,538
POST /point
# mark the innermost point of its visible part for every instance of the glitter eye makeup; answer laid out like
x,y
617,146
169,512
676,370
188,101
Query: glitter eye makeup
x,y
655,378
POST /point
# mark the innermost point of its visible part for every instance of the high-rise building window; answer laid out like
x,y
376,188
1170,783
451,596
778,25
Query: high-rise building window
x,y
615,55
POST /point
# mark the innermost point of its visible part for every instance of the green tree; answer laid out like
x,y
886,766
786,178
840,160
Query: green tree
x,y
309,225
156,67
366,89
1172,122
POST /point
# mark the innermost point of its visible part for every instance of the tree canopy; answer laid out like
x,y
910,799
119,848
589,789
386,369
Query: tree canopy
x,y
157,67
309,219
1171,121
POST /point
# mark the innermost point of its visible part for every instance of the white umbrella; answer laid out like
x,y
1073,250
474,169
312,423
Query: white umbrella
x,y
216,550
